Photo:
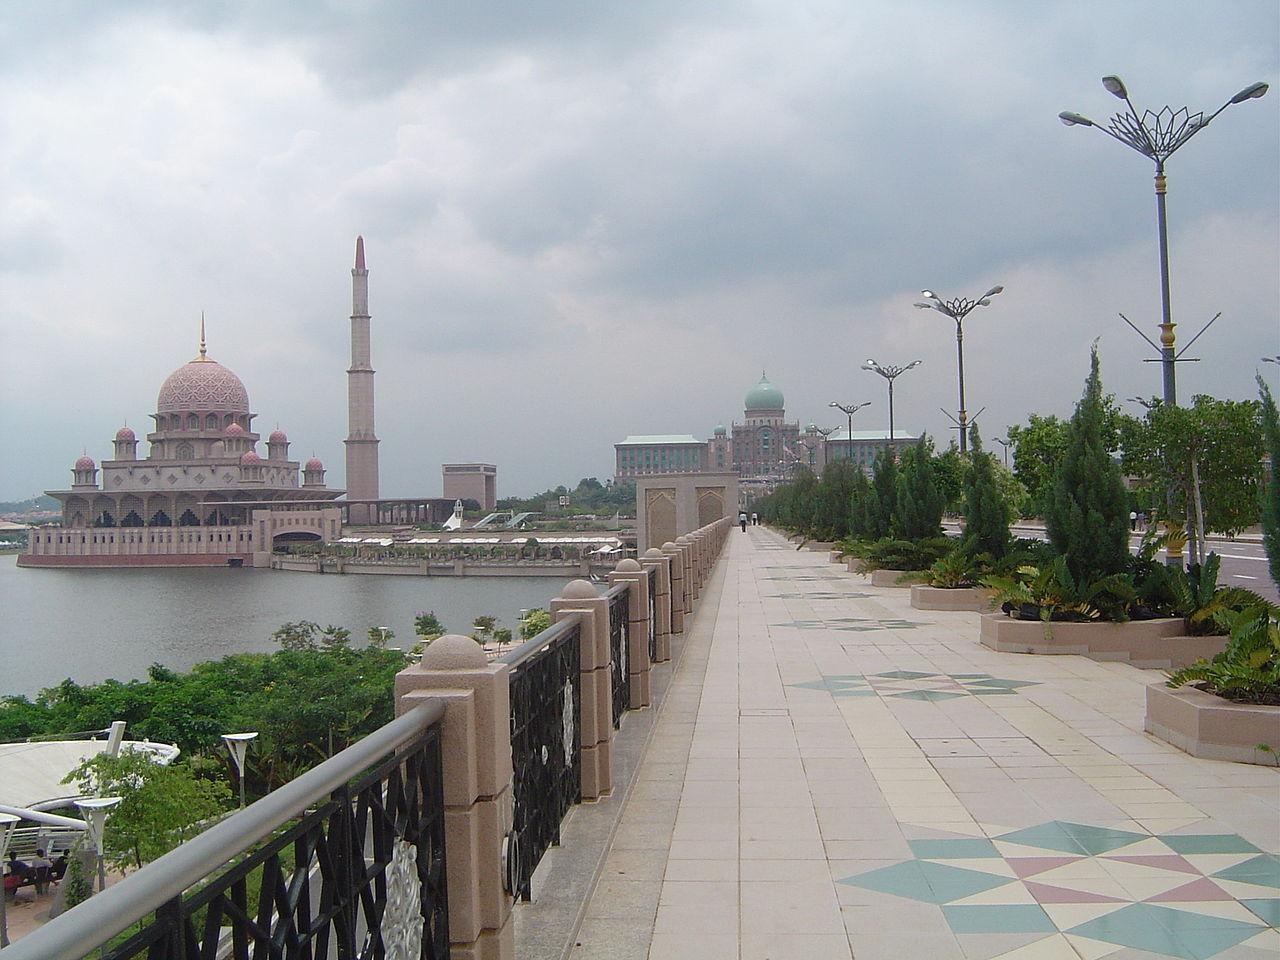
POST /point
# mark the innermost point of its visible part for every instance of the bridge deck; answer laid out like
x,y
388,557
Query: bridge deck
x,y
834,774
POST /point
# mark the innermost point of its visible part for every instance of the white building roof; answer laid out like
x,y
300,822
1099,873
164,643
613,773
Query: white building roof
x,y
665,439
31,773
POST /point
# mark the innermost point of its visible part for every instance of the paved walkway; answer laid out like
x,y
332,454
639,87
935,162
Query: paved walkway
x,y
834,774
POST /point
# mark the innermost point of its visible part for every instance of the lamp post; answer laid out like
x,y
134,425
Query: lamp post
x,y
849,411
94,812
1004,442
8,823
957,310
238,744
1158,136
890,373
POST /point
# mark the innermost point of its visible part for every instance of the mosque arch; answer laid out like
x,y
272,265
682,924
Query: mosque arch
x,y
193,422
188,519
131,519
160,519
184,452
211,422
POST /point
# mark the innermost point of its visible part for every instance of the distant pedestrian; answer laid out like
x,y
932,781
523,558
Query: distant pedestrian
x,y
1133,519
742,520
1142,520
755,519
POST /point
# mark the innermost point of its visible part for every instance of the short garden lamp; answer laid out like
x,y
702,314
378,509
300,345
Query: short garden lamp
x,y
8,823
95,812
238,744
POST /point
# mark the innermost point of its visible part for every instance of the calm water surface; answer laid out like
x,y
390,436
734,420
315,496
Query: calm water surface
x,y
91,625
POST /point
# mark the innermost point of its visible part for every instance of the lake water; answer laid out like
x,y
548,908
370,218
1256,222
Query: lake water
x,y
91,625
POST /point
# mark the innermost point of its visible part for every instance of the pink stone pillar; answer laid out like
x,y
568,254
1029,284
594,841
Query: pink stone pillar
x,y
638,663
676,557
579,598
653,557
479,807
690,572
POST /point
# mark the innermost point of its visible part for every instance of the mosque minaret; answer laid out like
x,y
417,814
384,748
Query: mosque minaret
x,y
361,442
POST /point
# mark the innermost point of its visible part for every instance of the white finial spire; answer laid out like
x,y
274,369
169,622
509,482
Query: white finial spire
x,y
202,346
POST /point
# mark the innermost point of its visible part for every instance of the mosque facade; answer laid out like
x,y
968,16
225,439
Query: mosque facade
x,y
204,494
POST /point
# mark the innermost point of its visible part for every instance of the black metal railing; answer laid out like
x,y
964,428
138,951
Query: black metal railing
x,y
653,614
546,744
619,634
347,860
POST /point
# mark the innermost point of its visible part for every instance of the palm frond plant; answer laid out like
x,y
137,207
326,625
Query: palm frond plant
x,y
1248,670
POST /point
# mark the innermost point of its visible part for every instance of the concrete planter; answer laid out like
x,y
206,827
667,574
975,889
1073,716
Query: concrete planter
x,y
925,597
889,578
1150,644
1207,726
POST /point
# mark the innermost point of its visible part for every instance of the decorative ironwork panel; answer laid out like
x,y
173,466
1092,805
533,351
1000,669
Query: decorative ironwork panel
x,y
546,749
361,875
619,634
653,614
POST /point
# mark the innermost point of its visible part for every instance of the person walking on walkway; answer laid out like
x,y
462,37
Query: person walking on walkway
x,y
742,520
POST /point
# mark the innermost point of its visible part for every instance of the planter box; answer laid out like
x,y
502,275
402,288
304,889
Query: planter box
x,y
889,578
1150,644
1207,726
925,597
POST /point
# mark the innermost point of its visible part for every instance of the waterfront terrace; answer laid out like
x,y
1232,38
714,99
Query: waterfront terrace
x,y
809,768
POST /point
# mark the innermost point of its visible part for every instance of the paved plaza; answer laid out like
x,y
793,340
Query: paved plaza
x,y
833,774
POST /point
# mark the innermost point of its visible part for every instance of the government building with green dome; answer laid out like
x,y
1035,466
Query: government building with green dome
x,y
764,444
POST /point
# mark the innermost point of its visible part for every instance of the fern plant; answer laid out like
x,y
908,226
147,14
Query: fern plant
x,y
1054,591
1248,670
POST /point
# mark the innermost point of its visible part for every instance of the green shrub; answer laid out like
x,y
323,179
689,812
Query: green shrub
x,y
890,554
1248,670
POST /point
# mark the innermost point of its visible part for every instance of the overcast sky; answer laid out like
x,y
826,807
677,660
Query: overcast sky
x,y
585,220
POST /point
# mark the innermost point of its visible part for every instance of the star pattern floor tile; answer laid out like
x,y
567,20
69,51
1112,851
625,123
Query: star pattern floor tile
x,y
1167,895
915,685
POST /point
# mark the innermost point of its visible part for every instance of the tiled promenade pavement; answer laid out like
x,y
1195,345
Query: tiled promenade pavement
x,y
834,774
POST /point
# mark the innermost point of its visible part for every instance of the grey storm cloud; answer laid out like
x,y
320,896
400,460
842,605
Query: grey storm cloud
x,y
586,220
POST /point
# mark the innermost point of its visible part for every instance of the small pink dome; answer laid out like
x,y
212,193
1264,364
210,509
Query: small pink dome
x,y
124,433
235,430
277,436
314,464
250,459
85,463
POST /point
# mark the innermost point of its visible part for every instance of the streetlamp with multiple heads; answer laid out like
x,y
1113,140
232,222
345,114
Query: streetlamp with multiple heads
x,y
95,812
890,373
849,411
957,310
238,744
8,823
1158,136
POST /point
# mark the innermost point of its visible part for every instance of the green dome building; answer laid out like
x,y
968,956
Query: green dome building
x,y
761,442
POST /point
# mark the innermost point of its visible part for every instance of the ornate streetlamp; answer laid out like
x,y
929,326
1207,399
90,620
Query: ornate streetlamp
x,y
890,373
1158,136
957,310
1004,442
94,812
849,411
238,744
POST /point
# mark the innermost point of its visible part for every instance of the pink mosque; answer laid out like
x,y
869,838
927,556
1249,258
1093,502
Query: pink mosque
x,y
204,495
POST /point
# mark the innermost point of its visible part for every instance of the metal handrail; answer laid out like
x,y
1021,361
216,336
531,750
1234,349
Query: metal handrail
x,y
621,587
79,931
517,655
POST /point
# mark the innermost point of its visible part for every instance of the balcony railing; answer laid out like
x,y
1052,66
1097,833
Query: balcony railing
x,y
619,636
546,755
348,861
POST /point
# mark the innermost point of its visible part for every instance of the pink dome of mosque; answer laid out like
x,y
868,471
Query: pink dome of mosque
x,y
249,459
235,430
202,384
124,433
314,464
277,436
85,463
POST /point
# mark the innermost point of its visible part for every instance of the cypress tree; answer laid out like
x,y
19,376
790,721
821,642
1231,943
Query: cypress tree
x,y
920,499
1271,483
858,497
986,516
882,504
1088,514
